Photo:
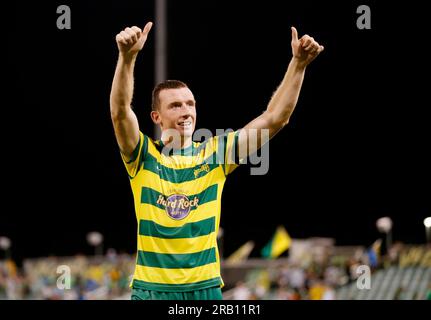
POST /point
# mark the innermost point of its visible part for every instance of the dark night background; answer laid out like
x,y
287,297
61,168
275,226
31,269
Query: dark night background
x,y
356,149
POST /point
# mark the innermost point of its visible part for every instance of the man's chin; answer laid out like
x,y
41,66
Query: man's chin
x,y
186,133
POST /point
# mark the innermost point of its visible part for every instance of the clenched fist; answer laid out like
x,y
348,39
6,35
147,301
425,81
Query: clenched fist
x,y
131,40
305,49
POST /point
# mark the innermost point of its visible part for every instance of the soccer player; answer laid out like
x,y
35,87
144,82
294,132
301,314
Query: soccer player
x,y
177,183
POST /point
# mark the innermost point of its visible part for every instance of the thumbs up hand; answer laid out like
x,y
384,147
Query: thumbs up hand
x,y
131,40
305,49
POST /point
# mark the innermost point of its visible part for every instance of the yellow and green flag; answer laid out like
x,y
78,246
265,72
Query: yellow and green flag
x,y
279,243
241,253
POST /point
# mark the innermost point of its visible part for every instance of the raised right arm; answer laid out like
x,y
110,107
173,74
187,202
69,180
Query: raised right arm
x,y
129,41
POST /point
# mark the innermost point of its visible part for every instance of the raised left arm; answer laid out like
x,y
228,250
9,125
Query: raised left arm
x,y
283,102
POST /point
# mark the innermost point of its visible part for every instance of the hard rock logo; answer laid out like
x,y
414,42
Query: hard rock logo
x,y
178,206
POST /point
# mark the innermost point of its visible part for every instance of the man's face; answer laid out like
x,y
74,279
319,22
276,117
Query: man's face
x,y
177,111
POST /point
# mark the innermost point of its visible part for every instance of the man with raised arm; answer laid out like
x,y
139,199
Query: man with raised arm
x,y
177,183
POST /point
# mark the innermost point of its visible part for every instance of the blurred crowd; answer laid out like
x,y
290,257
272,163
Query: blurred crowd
x,y
85,278
295,282
307,277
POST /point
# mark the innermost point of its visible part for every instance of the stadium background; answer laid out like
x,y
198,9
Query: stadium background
x,y
355,149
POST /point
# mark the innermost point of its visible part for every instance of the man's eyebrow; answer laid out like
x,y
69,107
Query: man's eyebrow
x,y
174,102
179,102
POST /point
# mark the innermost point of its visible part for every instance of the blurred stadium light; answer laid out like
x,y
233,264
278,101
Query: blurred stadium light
x,y
5,244
95,239
384,225
427,223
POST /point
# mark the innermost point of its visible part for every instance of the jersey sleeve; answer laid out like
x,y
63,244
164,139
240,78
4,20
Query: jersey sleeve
x,y
227,149
138,156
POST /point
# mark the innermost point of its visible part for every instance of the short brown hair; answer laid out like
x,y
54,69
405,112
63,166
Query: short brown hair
x,y
167,84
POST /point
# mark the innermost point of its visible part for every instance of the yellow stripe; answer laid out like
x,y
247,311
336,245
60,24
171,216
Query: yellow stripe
x,y
173,246
176,276
204,211
229,164
181,162
133,166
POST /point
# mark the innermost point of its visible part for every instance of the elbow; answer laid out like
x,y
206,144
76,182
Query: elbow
x,y
118,116
285,121
115,114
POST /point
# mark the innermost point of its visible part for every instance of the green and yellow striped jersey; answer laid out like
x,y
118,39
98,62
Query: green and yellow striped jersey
x,y
177,198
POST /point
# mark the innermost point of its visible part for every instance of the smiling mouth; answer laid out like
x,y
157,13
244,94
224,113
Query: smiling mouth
x,y
185,124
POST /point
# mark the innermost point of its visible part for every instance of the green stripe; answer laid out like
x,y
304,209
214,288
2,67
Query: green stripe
x,y
167,287
176,261
181,175
188,230
221,153
235,160
144,151
151,196
190,151
135,152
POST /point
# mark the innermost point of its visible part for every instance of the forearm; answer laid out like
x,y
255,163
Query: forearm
x,y
284,100
286,96
122,87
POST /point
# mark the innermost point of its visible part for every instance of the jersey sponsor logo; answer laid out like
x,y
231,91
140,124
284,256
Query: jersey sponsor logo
x,y
203,168
178,206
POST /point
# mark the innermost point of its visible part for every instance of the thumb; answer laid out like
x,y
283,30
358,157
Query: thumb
x,y
294,34
147,28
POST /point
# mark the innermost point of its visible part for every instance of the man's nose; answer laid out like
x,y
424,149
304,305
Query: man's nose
x,y
186,110
186,114
185,106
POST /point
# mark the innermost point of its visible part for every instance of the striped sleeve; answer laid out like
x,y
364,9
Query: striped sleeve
x,y
132,165
227,151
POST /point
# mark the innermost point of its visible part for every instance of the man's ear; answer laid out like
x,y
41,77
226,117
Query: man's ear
x,y
155,116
